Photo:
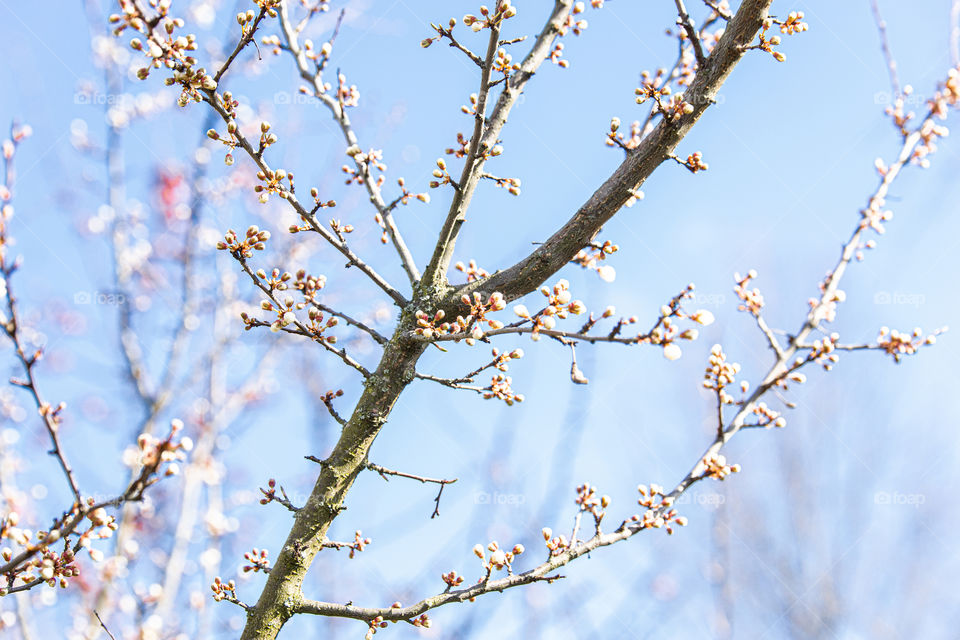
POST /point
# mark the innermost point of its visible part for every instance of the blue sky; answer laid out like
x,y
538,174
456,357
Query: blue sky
x,y
791,149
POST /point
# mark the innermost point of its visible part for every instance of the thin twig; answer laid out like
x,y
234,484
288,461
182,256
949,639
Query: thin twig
x,y
104,626
887,53
686,22
314,77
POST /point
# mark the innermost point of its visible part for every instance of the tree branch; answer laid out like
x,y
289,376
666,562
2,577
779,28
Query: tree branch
x,y
486,133
549,257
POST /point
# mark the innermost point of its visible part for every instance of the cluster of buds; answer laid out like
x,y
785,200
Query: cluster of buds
x,y
441,175
504,63
492,152
573,23
47,565
255,239
317,205
793,24
588,501
359,543
229,103
715,466
615,138
258,561
512,185
270,494
655,86
308,285
824,308
247,21
767,417
501,359
750,299
555,544
720,374
230,143
373,625
461,150
423,621
501,388
348,96
471,109
498,558
436,326
823,351
899,344
192,82
930,132
488,19
163,50
592,257
274,42
266,139
270,6
319,56
472,270
560,304
781,382
406,195
364,162
875,215
695,162
273,183
51,415
224,590
673,109
479,310
666,332
154,451
285,313
947,94
556,56
452,579
339,228
659,513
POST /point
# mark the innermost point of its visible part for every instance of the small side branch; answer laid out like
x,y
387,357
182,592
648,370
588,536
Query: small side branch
x,y
887,52
384,472
686,22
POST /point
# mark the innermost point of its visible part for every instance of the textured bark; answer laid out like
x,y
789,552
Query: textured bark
x,y
282,594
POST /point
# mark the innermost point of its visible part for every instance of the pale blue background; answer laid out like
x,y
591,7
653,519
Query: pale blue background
x,y
791,149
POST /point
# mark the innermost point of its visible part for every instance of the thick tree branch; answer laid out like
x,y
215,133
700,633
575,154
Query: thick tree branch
x,y
549,257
